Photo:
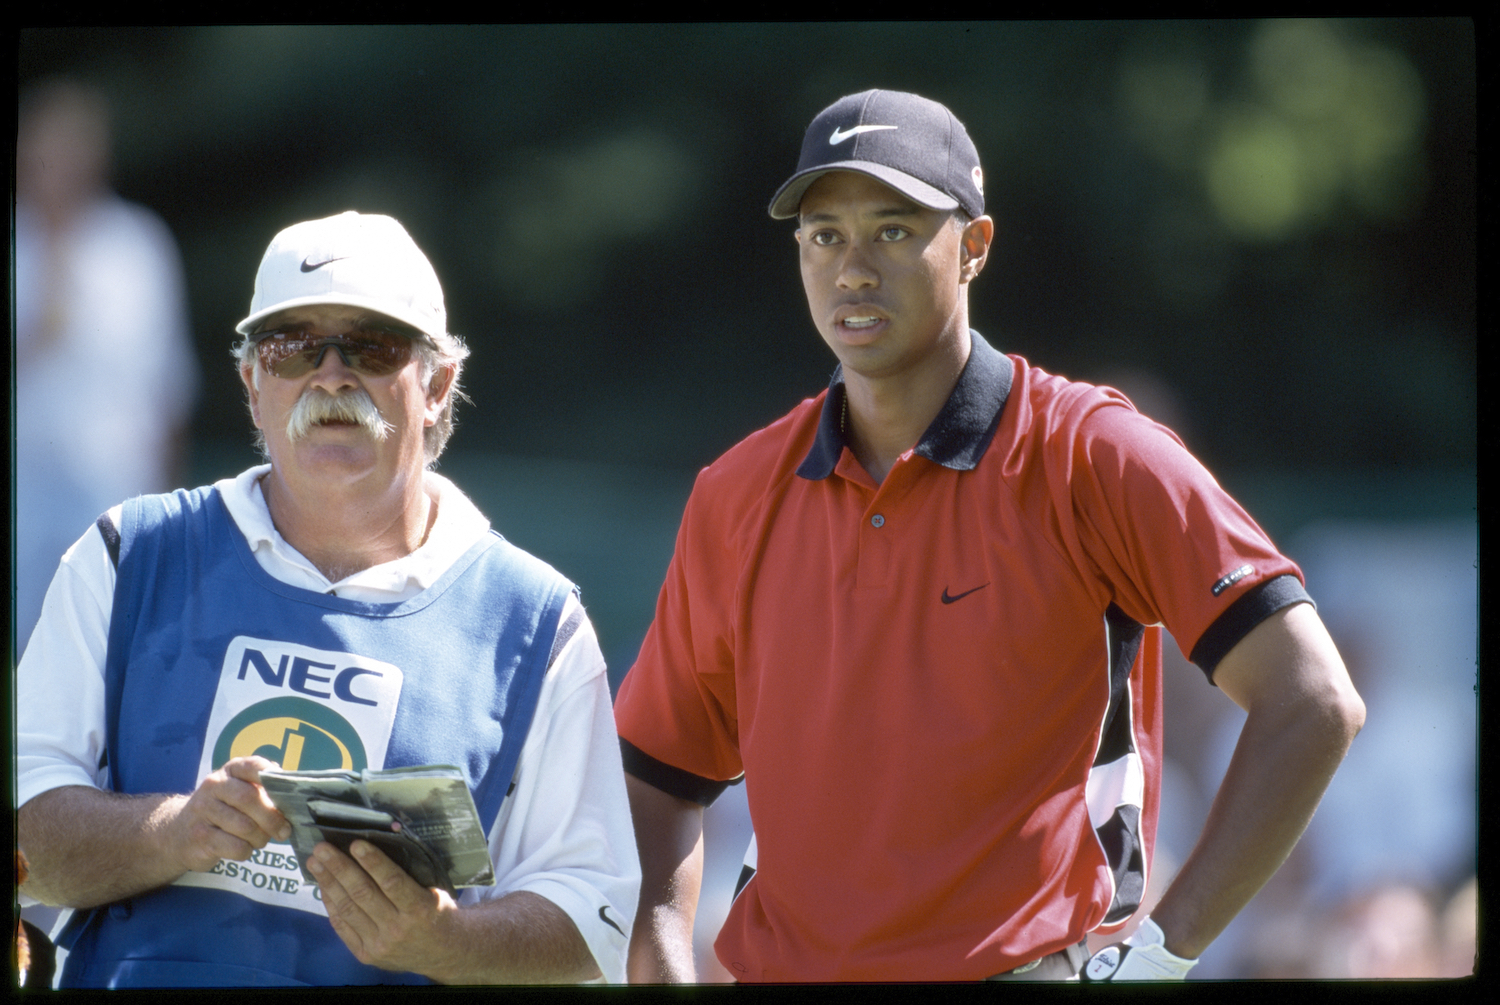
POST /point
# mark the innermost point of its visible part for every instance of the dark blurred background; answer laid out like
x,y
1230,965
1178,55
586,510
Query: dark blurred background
x,y
1277,217
1263,231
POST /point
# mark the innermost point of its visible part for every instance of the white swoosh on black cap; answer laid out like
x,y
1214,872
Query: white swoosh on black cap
x,y
839,135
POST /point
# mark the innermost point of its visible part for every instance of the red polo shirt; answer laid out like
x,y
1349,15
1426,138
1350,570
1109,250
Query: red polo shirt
x,y
943,690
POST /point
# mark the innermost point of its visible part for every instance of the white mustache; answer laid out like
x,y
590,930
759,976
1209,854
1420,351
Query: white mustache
x,y
318,406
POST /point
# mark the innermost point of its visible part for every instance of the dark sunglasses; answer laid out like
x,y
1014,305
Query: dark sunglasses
x,y
295,354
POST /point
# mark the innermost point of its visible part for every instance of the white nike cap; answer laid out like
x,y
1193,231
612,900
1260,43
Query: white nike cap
x,y
906,141
353,259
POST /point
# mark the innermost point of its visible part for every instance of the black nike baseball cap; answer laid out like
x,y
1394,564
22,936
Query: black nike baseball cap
x,y
911,143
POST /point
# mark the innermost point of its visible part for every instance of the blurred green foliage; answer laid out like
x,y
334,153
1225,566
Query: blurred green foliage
x,y
1265,231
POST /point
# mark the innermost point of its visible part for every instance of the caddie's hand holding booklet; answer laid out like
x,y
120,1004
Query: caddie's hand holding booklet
x,y
423,818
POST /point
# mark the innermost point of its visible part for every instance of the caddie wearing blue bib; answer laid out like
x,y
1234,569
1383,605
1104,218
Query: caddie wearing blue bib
x,y
342,606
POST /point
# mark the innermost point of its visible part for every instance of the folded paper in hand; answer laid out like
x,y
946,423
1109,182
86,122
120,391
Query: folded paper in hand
x,y
423,818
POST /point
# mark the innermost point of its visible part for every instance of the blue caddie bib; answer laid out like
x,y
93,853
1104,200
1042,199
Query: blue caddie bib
x,y
211,658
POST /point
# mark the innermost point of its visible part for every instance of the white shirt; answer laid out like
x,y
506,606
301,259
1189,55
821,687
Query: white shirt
x,y
565,833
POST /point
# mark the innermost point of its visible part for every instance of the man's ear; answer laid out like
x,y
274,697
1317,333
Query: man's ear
x,y
974,247
248,377
439,390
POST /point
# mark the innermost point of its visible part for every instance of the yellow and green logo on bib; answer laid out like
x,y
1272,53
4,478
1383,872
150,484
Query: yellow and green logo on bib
x,y
298,734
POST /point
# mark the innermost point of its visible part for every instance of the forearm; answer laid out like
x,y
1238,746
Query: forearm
x,y
520,938
88,847
669,836
1287,753
661,946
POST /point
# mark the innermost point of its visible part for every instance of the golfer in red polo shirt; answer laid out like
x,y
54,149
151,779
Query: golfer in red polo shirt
x,y
921,616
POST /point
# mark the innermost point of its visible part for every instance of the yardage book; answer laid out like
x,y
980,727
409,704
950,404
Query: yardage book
x,y
422,817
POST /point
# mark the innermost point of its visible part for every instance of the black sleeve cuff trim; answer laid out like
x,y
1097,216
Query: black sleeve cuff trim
x,y
111,535
672,781
1243,615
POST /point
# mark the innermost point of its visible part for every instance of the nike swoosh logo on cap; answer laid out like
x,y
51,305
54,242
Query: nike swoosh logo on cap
x,y
840,135
308,265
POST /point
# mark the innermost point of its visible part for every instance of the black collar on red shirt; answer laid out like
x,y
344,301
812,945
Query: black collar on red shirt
x,y
957,438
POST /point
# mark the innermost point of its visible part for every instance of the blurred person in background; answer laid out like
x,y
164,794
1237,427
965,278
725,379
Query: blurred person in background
x,y
106,374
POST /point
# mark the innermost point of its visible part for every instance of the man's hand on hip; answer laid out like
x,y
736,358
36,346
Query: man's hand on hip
x,y
1142,957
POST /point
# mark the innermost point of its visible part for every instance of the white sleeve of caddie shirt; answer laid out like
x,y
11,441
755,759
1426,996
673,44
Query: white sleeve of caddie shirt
x,y
60,679
565,833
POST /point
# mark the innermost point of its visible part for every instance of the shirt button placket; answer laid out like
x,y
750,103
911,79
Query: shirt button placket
x,y
874,553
